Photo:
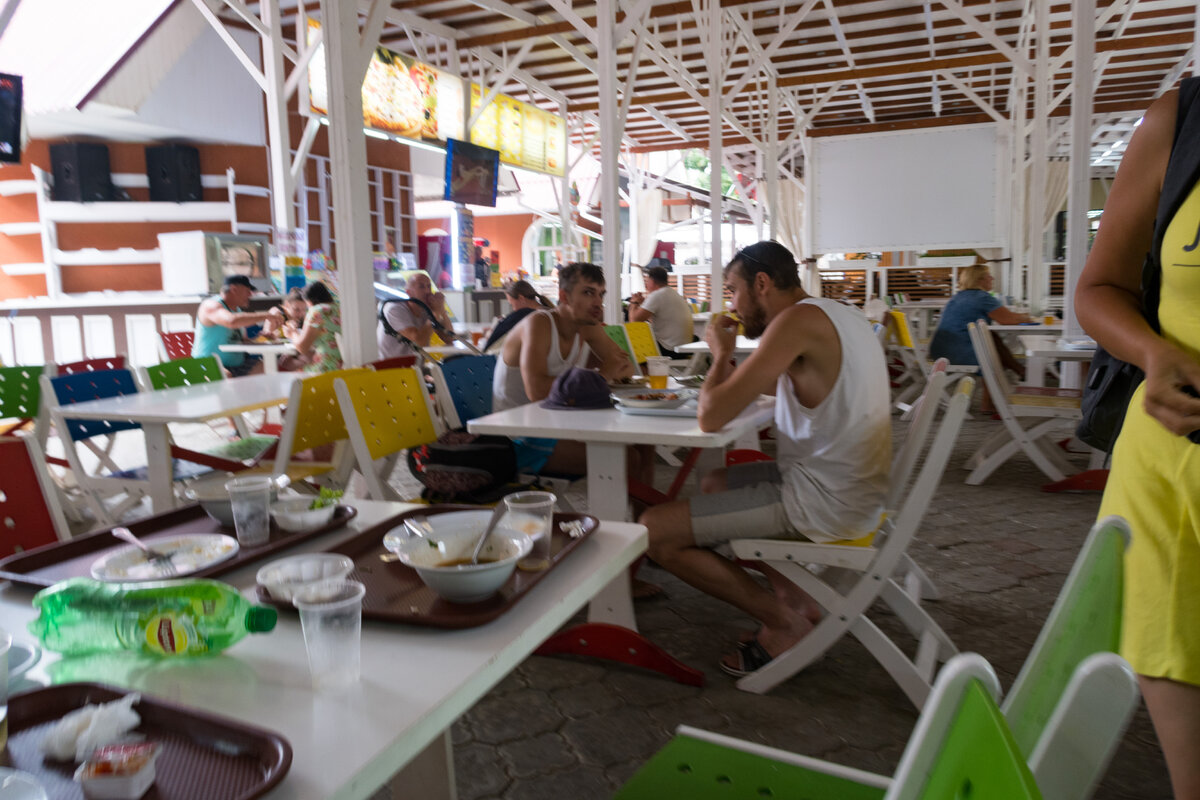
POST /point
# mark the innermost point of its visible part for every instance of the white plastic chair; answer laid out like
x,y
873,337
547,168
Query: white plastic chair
x,y
863,575
915,359
1053,413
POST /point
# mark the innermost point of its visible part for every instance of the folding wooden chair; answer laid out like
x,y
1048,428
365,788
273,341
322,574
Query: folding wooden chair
x,y
915,360
960,748
108,479
1052,412
863,574
176,344
31,513
385,412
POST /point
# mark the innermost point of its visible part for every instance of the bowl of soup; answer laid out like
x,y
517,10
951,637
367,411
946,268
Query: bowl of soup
x,y
442,556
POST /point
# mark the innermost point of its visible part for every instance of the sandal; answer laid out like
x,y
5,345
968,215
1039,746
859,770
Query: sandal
x,y
751,657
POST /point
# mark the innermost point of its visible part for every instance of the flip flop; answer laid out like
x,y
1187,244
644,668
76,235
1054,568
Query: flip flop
x,y
751,656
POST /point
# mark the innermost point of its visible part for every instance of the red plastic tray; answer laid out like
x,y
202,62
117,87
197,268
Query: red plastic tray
x,y
46,566
203,756
395,593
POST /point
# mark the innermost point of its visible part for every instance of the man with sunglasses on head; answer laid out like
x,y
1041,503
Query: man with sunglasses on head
x,y
824,365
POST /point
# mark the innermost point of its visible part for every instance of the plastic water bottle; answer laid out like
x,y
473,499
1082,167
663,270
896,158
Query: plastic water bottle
x,y
163,618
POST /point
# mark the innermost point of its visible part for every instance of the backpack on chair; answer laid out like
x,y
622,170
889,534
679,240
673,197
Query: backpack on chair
x,y
462,467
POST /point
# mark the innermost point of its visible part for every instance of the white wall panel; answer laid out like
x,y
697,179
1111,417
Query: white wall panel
x,y
68,343
27,341
142,336
98,338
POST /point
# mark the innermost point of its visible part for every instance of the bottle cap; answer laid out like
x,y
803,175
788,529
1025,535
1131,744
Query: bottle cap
x,y
260,619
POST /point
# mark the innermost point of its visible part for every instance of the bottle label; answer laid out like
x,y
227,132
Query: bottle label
x,y
168,635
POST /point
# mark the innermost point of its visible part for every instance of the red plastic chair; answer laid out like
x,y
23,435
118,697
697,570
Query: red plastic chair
x,y
396,362
745,457
177,344
30,513
92,365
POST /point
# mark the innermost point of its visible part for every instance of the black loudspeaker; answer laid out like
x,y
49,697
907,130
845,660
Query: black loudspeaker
x,y
81,172
174,172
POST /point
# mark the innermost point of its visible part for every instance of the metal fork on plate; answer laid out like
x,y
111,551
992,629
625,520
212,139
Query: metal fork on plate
x,y
161,561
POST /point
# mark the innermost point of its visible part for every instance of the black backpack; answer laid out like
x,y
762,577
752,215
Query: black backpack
x,y
462,467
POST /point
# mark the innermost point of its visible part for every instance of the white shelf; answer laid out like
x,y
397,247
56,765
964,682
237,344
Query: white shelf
x,y
23,269
15,187
20,228
91,256
62,211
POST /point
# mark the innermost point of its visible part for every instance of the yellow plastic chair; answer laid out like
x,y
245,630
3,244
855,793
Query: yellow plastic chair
x,y
313,420
641,339
385,413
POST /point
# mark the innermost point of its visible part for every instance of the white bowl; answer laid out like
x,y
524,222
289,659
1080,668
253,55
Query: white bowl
x,y
210,492
453,538
293,514
283,578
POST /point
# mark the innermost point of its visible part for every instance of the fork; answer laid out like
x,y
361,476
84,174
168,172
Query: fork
x,y
161,561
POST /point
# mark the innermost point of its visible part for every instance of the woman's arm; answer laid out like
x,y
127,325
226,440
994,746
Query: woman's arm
x,y
307,337
1006,316
1108,296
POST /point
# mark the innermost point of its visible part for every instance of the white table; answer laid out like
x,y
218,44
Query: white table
x,y
606,432
198,403
1039,329
1040,352
922,313
271,353
415,681
743,345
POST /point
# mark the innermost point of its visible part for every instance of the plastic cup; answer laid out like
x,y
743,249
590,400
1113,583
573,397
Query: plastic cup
x,y
657,369
1049,320
532,513
331,618
250,498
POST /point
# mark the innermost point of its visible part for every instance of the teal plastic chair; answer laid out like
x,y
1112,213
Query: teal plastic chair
x,y
961,748
247,449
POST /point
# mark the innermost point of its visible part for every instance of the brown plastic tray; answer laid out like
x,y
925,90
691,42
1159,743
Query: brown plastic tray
x,y
47,565
395,592
203,756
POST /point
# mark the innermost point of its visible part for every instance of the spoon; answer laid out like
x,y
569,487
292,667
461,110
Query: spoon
x,y
497,513
417,526
160,560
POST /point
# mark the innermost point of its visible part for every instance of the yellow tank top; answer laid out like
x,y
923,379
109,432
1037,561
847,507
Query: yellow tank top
x,y
1179,306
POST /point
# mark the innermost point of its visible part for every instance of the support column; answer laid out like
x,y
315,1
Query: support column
x,y
1079,189
715,155
771,167
610,152
345,68
564,197
283,186
1036,212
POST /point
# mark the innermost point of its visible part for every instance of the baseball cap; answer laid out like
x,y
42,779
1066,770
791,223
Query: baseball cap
x,y
578,388
238,280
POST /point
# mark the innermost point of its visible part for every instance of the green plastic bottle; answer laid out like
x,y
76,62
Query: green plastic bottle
x,y
164,618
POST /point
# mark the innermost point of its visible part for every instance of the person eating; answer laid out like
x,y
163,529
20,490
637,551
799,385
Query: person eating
x,y
222,320
524,300
824,365
412,320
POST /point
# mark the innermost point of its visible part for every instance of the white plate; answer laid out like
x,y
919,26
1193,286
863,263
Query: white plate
x,y
654,398
21,658
17,785
190,553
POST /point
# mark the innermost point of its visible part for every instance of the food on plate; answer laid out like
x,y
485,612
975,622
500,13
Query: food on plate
x,y
79,733
118,772
650,397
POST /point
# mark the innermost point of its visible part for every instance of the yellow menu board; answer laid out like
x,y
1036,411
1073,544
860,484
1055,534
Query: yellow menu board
x,y
414,100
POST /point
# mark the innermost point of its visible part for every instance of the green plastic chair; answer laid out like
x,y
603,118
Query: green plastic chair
x,y
20,397
192,371
960,748
617,334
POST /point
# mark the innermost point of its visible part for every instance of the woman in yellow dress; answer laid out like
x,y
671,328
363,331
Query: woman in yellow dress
x,y
1155,477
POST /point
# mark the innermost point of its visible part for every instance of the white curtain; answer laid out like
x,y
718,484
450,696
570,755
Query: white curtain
x,y
788,221
1057,179
649,216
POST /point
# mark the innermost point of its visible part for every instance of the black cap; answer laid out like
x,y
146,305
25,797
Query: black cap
x,y
578,388
238,280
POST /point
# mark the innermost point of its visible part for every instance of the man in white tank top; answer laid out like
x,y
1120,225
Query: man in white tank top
x,y
541,347
826,369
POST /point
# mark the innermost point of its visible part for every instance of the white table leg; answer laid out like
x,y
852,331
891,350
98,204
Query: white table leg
x,y
1035,371
429,775
608,498
271,367
160,466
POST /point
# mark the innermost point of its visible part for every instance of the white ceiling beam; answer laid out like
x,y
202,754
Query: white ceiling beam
x,y
417,45
368,39
6,14
505,74
582,26
763,58
988,35
668,123
219,27
1175,73
629,82
419,23
840,35
971,95
300,70
625,26
523,76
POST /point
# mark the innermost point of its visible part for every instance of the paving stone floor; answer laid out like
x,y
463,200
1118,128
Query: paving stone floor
x,y
572,727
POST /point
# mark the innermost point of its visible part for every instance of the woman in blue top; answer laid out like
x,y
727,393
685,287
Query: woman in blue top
x,y
973,302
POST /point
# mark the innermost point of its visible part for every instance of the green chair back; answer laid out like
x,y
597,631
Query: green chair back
x,y
617,334
1086,619
979,759
20,392
185,372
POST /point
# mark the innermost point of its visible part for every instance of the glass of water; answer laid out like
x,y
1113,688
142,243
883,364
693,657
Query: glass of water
x,y
532,513
250,497
331,618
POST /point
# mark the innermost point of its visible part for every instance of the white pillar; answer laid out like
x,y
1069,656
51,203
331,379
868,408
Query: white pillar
x,y
279,146
715,70
564,197
348,165
610,151
771,167
1079,189
1036,212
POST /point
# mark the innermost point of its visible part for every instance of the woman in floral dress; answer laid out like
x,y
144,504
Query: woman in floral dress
x,y
317,339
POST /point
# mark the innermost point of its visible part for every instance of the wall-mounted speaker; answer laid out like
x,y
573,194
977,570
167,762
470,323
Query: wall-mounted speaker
x,y
81,172
174,172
